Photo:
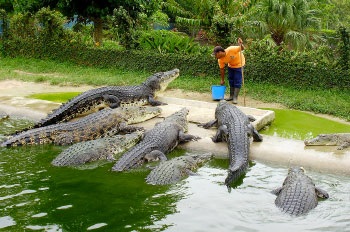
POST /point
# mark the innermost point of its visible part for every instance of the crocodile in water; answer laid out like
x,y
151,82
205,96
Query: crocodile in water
x,y
298,194
176,169
107,148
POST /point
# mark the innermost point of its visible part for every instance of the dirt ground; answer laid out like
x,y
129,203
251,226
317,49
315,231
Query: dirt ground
x,y
249,102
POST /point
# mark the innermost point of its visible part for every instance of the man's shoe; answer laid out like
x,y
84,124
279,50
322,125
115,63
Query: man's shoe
x,y
231,95
235,95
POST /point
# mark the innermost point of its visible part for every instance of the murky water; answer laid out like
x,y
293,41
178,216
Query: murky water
x,y
294,124
35,196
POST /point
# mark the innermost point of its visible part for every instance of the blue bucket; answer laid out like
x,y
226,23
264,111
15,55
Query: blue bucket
x,y
218,92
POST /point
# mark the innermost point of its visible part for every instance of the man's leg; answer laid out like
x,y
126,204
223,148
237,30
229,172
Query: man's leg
x,y
237,84
231,82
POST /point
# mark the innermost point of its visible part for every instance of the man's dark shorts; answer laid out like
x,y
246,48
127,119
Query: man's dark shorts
x,y
235,77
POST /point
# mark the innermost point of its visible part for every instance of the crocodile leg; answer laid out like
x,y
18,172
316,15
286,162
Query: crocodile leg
x,y
221,133
186,137
114,102
209,124
155,156
277,191
343,146
253,132
63,139
125,128
321,193
154,102
251,118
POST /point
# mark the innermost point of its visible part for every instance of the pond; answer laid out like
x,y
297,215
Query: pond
x,y
35,196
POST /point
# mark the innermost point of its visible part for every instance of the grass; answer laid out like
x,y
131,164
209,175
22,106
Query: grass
x,y
332,102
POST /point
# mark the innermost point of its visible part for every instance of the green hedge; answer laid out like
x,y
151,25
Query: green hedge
x,y
268,65
299,70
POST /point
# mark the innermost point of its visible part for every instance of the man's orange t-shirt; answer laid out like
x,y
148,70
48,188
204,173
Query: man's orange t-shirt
x,y
232,58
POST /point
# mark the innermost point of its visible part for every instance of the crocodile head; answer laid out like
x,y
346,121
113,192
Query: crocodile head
x,y
322,140
202,158
295,170
160,81
294,173
137,114
222,105
180,118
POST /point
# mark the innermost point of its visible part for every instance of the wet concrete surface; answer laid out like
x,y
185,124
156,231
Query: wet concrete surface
x,y
274,150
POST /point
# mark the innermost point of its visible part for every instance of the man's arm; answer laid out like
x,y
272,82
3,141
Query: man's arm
x,y
222,74
240,43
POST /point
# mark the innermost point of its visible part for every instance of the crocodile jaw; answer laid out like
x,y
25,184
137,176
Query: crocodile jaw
x,y
321,140
166,79
139,114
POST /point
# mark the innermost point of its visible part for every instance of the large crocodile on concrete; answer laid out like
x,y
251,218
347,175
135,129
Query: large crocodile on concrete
x,y
342,140
234,127
106,122
107,148
112,96
298,194
172,171
158,141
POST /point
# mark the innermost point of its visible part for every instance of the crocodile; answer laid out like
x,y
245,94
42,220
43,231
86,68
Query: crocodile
x,y
112,96
106,122
172,171
342,140
3,116
107,148
234,127
298,194
158,141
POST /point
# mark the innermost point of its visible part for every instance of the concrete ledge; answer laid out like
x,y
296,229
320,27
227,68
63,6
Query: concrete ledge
x,y
202,112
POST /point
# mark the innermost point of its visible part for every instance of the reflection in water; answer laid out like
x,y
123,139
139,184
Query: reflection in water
x,y
37,196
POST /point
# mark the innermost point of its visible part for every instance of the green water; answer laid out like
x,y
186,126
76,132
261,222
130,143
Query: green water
x,y
36,196
293,124
55,97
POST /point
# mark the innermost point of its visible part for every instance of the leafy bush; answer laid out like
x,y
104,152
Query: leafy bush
x,y
306,70
164,41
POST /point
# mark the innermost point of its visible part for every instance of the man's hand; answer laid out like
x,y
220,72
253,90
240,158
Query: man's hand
x,y
240,41
222,82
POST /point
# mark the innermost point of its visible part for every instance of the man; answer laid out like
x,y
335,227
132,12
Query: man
x,y
234,58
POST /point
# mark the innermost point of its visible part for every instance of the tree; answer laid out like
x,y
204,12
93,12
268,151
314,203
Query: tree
x,y
6,5
290,22
97,11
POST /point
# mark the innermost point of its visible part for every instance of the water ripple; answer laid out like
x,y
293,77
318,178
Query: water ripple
x,y
39,215
9,186
18,194
6,222
65,207
97,226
